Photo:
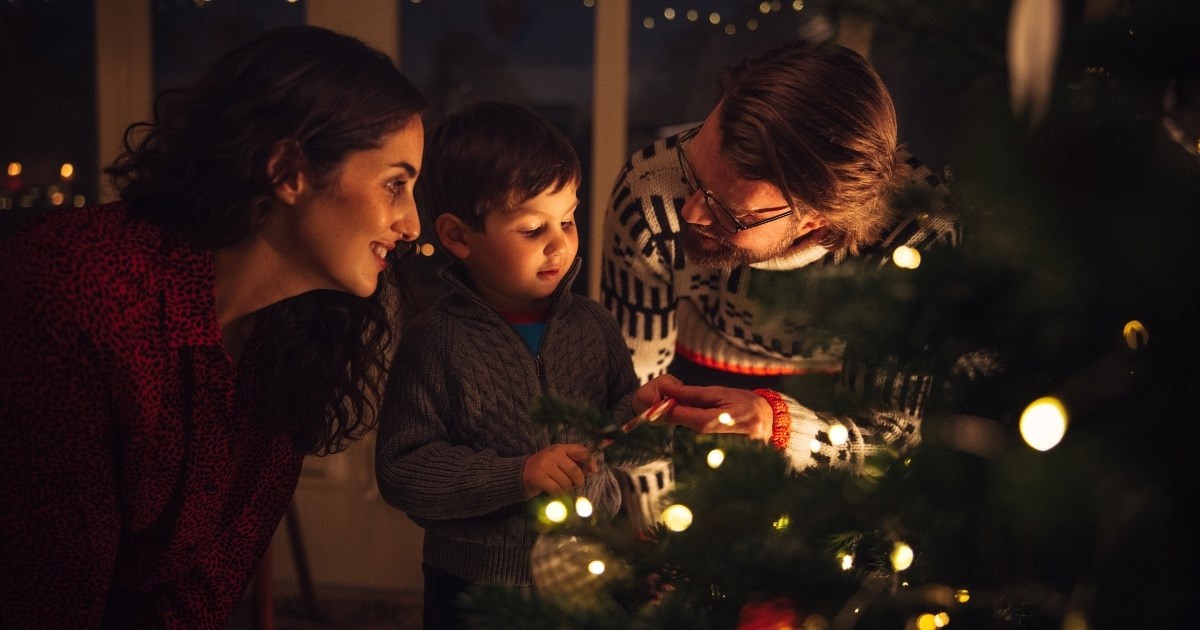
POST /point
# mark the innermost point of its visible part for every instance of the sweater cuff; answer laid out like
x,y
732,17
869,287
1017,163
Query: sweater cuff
x,y
781,421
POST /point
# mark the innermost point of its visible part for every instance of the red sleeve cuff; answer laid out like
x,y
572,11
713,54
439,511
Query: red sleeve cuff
x,y
781,426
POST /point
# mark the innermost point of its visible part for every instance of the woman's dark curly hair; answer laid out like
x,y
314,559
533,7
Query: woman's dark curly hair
x,y
199,170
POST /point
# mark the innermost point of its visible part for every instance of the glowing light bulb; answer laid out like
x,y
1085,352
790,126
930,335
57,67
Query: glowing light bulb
x,y
941,619
838,434
962,596
725,419
648,22
906,257
67,170
902,556
677,517
715,458
596,567
714,18
14,169
556,512
847,562
1136,335
815,445
583,507
669,13
1043,423
782,523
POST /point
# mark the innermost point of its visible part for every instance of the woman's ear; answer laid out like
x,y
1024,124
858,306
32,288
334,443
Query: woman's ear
x,y
285,168
452,232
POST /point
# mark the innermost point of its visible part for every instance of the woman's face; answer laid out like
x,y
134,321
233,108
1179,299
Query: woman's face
x,y
344,231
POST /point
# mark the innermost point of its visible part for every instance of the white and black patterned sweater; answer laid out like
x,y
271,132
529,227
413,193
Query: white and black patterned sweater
x,y
666,305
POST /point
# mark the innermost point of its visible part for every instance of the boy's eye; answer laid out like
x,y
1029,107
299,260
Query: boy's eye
x,y
531,232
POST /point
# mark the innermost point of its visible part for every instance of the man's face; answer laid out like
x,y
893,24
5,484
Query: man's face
x,y
707,243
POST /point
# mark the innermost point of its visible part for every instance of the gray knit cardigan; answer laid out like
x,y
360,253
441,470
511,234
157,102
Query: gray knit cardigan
x,y
454,427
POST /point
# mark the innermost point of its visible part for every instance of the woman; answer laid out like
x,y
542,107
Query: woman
x,y
170,358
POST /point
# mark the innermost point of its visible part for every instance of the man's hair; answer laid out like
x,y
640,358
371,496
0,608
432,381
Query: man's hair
x,y
492,156
820,125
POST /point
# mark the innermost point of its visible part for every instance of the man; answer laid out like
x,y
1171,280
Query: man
x,y
792,172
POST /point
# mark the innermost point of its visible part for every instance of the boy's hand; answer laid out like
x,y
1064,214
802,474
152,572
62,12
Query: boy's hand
x,y
556,469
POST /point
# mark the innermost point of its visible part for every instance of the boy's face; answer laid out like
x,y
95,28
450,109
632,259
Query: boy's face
x,y
519,259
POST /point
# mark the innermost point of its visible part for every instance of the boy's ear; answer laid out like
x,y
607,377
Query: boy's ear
x,y
285,167
452,232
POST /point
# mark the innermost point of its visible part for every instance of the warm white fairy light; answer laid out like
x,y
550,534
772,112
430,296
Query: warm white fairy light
x,y
838,434
14,169
714,18
764,7
752,25
730,29
693,15
1135,334
725,419
583,507
814,445
847,561
677,517
797,5
941,619
669,13
902,556
782,523
596,567
648,22
906,257
555,511
715,458
1043,423
962,596
66,171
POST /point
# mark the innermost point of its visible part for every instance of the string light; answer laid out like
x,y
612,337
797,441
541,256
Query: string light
x,y
555,511
1043,423
838,434
906,257
962,596
677,517
583,507
1136,335
847,561
596,567
902,556
725,419
715,458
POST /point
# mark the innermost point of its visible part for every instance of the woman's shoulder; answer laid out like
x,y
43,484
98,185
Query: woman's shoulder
x,y
79,257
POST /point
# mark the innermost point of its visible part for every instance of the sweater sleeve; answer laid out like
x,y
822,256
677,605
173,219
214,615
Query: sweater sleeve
x,y
418,469
639,261
894,392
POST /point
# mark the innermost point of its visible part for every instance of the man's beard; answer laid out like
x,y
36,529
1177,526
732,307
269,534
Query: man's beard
x,y
708,246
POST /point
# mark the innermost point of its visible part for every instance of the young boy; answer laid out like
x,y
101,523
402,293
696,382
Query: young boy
x,y
456,449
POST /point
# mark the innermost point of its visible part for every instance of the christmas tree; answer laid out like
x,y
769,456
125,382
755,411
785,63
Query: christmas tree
x,y
1050,488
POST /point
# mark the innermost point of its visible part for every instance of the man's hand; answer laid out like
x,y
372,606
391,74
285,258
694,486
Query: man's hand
x,y
556,469
653,391
703,409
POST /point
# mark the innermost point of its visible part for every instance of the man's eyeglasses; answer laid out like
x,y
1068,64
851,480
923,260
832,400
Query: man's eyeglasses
x,y
720,212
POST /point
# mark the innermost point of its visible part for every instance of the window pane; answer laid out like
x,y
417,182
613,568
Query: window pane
x,y
48,113
190,34
538,54
677,51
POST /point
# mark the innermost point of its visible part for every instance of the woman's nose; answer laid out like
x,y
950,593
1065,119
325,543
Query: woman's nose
x,y
408,226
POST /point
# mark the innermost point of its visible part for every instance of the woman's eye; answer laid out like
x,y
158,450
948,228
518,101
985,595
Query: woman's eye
x,y
396,186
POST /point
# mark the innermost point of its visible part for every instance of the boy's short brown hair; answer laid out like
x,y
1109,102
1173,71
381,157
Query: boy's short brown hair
x,y
492,156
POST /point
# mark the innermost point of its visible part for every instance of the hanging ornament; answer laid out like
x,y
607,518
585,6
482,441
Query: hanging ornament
x,y
573,569
777,614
